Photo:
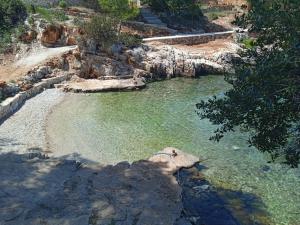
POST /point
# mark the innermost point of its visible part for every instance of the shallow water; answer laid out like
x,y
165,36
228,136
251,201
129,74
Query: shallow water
x,y
119,126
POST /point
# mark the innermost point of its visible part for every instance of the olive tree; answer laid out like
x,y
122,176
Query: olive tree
x,y
265,95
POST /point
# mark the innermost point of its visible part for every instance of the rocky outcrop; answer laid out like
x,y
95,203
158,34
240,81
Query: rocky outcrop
x,y
51,35
36,189
54,35
28,36
94,85
167,62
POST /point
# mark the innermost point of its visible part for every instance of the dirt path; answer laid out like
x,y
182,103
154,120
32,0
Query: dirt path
x,y
17,69
206,49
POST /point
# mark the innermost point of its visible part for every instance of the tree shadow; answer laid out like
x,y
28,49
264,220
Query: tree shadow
x,y
36,189
206,204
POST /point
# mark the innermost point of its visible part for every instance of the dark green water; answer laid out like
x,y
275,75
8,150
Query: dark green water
x,y
113,127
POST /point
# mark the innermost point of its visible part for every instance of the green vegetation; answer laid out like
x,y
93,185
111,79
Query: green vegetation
x,y
178,12
104,30
265,95
249,43
51,15
120,9
12,14
62,4
181,8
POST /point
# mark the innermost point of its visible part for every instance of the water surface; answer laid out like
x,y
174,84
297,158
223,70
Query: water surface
x,y
119,126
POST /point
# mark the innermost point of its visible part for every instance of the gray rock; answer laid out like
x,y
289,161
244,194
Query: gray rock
x,y
57,191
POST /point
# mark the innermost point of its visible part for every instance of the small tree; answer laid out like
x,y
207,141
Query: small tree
x,y
103,30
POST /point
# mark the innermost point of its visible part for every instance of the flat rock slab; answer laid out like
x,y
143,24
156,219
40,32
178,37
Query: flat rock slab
x,y
38,190
94,85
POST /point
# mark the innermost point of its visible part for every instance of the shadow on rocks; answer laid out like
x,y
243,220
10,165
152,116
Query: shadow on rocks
x,y
36,190
205,204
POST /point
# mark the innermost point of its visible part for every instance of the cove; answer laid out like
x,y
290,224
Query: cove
x,y
128,126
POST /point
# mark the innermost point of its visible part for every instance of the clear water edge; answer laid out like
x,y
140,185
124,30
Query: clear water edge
x,y
128,126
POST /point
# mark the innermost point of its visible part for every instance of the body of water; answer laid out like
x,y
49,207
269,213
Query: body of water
x,y
128,126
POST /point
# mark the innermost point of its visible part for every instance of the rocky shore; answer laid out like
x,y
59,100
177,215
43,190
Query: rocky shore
x,y
25,130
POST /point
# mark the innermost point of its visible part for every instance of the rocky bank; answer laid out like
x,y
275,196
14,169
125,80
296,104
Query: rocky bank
x,y
39,190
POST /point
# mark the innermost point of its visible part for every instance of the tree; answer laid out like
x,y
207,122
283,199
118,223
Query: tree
x,y
265,95
11,13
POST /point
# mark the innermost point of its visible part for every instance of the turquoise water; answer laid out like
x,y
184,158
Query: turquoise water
x,y
119,126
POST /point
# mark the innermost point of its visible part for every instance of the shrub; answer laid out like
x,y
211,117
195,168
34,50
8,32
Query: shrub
x,y
119,8
51,14
62,4
249,43
189,8
130,40
103,30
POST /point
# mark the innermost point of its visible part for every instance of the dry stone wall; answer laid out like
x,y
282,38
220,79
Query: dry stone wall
x,y
12,104
193,39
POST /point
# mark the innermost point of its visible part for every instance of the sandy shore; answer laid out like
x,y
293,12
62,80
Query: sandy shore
x,y
25,130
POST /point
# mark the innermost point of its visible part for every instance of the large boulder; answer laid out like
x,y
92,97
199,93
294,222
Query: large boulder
x,y
51,35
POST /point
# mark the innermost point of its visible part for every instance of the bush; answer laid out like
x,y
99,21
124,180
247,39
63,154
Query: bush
x,y
249,43
51,14
130,40
119,8
62,4
190,8
103,30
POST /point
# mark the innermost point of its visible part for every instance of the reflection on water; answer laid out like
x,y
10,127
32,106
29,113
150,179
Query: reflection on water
x,y
112,127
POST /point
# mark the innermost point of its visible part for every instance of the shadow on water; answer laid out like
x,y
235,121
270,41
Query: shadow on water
x,y
35,189
205,204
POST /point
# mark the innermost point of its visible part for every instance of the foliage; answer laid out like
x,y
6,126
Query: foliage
x,y
120,9
249,43
102,29
130,40
265,95
189,8
62,4
12,13
51,15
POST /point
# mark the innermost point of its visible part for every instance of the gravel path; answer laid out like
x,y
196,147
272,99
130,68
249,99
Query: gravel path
x,y
26,128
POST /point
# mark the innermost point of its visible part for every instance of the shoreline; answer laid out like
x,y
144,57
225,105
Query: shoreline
x,y
25,130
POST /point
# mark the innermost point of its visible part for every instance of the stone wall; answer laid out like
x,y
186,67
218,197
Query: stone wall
x,y
12,104
193,39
